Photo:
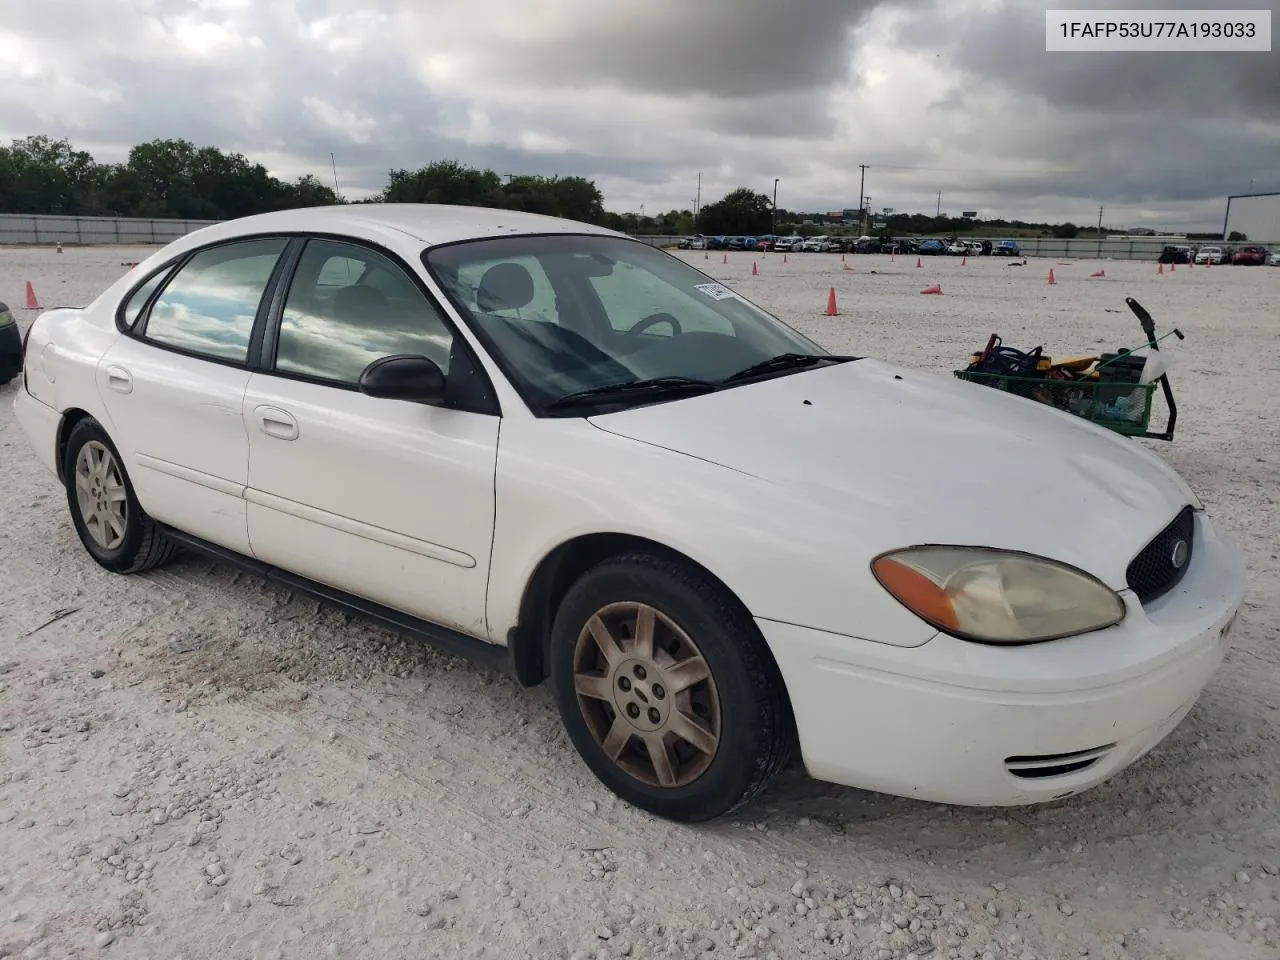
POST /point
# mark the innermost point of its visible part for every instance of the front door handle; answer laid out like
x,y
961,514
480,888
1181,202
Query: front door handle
x,y
277,423
119,379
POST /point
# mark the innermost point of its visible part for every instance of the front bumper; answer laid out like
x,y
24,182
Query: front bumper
x,y
982,725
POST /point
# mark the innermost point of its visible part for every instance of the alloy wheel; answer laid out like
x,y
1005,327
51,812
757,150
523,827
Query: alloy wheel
x,y
647,694
100,495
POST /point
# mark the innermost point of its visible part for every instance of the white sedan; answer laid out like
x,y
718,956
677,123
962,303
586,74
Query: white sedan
x,y
576,458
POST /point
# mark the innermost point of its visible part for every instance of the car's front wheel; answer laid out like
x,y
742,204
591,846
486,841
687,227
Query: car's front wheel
x,y
111,524
667,689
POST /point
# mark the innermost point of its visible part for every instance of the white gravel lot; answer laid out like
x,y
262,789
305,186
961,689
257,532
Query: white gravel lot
x,y
194,764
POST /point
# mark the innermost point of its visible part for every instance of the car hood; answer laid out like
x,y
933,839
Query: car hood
x,y
902,457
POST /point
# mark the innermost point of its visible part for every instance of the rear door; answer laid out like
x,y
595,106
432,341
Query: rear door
x,y
173,386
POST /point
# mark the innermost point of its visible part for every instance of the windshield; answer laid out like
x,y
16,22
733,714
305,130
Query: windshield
x,y
568,313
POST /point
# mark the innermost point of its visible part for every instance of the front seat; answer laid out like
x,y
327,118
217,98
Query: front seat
x,y
360,306
365,316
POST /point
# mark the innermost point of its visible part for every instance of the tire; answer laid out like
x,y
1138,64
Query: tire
x,y
132,543
742,699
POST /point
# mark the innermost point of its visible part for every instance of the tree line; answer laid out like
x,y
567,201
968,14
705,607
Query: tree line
x,y
174,178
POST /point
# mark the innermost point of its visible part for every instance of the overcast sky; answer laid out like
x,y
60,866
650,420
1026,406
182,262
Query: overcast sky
x,y
957,96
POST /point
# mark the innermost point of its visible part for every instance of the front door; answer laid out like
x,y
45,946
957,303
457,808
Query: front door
x,y
173,388
386,499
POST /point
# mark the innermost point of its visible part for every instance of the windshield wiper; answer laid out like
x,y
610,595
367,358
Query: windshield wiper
x,y
784,361
653,387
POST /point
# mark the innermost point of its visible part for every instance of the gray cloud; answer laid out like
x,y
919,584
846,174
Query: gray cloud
x,y
1007,43
641,95
734,49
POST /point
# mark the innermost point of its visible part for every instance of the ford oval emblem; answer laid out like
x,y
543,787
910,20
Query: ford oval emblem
x,y
1179,556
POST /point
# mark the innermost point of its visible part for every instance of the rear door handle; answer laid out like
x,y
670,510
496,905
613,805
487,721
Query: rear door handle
x,y
276,422
119,379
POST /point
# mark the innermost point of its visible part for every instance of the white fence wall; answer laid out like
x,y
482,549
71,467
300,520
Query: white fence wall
x,y
18,228
42,229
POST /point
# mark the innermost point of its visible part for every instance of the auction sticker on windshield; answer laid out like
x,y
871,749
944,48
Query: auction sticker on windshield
x,y
716,291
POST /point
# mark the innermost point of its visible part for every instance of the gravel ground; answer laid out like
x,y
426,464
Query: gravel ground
x,y
194,764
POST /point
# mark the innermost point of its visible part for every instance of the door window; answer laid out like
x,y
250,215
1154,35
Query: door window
x,y
209,306
348,306
133,308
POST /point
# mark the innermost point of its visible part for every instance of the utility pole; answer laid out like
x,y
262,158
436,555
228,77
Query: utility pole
x,y
697,202
938,212
333,163
774,218
1099,221
862,203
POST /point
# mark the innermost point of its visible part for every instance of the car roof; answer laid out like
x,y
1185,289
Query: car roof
x,y
431,223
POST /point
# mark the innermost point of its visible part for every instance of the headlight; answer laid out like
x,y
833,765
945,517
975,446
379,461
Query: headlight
x,y
6,317
997,596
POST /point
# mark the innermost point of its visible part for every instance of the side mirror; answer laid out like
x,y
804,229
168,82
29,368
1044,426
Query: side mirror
x,y
403,377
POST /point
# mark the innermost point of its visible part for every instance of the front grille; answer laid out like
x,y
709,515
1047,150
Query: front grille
x,y
1156,570
1055,764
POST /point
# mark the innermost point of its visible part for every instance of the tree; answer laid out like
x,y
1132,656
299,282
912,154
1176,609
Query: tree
x,y
444,181
740,212
1236,237
1065,231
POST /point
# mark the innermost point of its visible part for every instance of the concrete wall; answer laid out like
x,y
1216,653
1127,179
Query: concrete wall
x,y
40,229
17,228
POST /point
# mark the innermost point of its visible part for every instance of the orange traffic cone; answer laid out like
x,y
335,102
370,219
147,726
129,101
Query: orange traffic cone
x,y
1160,269
831,303
784,258
963,259
32,302
1051,280
754,269
1173,267
726,259
935,289
919,265
842,258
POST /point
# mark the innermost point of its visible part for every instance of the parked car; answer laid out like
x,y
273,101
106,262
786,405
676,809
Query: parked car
x,y
785,244
1210,256
10,346
1006,248
816,245
383,405
1175,253
973,248
1250,256
932,247
1274,259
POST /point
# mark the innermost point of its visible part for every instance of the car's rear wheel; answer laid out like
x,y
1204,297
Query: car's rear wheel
x,y
667,689
110,522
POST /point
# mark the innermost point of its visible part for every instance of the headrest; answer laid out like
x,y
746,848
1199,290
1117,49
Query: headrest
x,y
504,286
359,302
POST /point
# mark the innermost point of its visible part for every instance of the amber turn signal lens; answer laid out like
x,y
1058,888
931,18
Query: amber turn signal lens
x,y
916,592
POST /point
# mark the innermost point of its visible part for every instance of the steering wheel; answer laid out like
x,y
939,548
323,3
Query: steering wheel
x,y
654,319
